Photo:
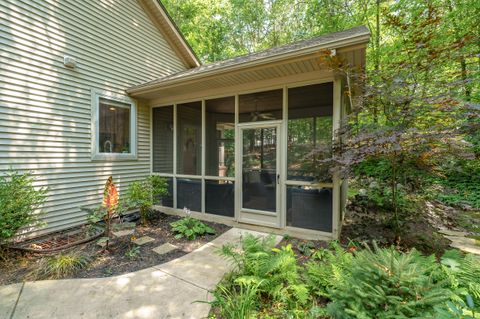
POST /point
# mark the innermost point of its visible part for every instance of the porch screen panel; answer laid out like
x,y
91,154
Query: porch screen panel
x,y
309,208
259,169
189,138
220,137
309,139
220,197
261,106
163,139
167,199
189,194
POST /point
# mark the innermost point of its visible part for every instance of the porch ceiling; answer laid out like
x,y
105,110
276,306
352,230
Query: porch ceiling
x,y
291,63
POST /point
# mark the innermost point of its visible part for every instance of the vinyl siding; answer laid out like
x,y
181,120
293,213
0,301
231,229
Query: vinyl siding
x,y
45,108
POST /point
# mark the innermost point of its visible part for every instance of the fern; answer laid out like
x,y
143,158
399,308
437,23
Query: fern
x,y
385,283
327,269
462,273
273,271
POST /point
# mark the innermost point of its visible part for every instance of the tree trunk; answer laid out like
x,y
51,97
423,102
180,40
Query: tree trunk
x,y
396,227
377,54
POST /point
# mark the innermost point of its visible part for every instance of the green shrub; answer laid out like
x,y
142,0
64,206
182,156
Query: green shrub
x,y
142,194
190,228
236,303
327,268
362,284
133,253
274,271
385,283
18,201
462,273
460,184
60,266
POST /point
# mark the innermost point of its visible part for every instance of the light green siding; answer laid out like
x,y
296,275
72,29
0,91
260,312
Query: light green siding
x,y
45,107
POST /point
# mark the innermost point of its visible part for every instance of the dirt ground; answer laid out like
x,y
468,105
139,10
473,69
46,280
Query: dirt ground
x,y
20,266
420,230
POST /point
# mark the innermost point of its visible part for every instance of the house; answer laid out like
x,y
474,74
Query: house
x,y
91,89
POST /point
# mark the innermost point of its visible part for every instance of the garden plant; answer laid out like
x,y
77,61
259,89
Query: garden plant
x,y
190,228
19,200
142,194
368,282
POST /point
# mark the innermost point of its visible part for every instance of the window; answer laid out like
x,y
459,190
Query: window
x,y
114,127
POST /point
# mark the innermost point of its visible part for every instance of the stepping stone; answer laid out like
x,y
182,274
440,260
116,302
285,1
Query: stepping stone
x,y
122,233
165,248
463,240
143,240
449,232
466,248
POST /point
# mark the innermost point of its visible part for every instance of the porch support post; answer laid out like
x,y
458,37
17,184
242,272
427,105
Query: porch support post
x,y
283,160
238,165
202,205
175,132
336,201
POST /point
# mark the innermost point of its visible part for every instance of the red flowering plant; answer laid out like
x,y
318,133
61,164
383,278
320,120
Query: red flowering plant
x,y
108,210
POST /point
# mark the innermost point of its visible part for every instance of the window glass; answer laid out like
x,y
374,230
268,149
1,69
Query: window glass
x,y
163,139
310,111
114,127
261,106
189,138
309,208
220,197
220,137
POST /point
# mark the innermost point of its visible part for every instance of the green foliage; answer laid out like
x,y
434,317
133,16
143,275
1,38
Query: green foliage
x,y
18,201
268,282
142,194
460,184
462,273
60,266
190,228
133,252
236,303
272,271
327,269
385,283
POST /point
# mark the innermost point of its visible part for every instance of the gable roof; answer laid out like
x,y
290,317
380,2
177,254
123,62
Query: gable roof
x,y
164,23
350,37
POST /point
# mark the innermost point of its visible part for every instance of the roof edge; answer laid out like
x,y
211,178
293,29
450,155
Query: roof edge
x,y
159,15
357,39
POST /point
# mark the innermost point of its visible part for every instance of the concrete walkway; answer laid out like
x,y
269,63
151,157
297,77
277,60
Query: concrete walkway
x,y
168,290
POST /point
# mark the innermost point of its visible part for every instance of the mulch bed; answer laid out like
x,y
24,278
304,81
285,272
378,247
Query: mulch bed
x,y
18,265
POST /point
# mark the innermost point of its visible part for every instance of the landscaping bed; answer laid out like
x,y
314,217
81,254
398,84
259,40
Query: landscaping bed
x,y
311,279
123,255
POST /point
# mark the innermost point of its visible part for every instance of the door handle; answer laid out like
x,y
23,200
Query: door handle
x,y
278,179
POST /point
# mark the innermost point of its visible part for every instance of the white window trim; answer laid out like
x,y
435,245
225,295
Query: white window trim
x,y
96,155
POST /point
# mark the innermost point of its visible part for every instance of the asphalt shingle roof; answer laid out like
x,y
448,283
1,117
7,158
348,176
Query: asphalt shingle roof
x,y
280,50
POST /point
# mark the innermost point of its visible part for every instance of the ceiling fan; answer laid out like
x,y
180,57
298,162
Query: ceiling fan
x,y
257,115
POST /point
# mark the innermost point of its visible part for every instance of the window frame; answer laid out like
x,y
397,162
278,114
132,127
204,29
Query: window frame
x,y
96,95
